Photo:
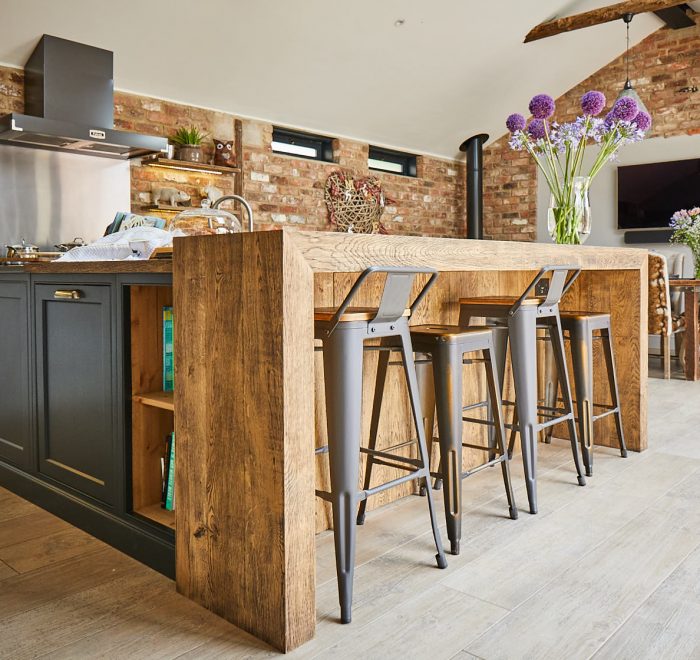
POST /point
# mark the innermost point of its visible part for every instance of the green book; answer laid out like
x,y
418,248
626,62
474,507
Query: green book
x,y
170,493
168,359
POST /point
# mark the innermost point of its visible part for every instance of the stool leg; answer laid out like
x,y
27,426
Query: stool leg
x,y
414,395
499,353
557,338
426,387
496,406
551,387
523,347
582,362
614,393
382,366
513,433
342,361
447,371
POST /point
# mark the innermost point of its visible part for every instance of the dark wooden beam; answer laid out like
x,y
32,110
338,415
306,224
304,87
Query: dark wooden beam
x,y
675,17
596,17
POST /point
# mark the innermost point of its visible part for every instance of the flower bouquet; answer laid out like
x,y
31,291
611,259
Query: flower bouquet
x,y
686,230
559,149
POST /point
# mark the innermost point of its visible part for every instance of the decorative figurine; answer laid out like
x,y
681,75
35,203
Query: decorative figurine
x,y
223,153
212,193
171,196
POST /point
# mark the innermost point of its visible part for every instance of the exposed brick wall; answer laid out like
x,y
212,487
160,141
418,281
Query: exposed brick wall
x,y
281,189
660,66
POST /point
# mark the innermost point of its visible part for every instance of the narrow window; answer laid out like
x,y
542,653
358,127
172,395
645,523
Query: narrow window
x,y
306,145
395,162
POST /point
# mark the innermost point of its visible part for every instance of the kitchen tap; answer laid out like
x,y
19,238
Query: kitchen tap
x,y
240,199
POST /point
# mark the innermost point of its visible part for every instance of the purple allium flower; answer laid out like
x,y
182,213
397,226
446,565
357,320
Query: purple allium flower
x,y
537,129
515,122
542,106
643,121
625,109
592,103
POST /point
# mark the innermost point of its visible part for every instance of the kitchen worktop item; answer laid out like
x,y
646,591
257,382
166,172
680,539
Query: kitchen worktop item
x,y
205,220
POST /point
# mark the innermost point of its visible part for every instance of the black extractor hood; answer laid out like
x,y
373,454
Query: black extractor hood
x,y
69,105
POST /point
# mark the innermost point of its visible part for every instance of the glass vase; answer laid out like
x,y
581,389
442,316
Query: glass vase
x,y
569,222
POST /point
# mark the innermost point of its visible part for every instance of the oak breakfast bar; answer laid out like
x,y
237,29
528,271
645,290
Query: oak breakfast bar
x,y
248,406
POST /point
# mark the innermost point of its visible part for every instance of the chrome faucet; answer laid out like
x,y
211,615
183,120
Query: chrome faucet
x,y
240,199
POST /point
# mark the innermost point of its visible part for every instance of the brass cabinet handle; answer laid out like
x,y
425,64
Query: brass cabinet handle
x,y
63,294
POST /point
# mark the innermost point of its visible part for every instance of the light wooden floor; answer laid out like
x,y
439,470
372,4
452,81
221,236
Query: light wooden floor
x,y
611,570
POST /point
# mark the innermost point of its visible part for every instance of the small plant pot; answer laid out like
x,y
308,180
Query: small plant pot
x,y
190,153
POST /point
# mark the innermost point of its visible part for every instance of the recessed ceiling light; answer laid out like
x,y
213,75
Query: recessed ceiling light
x,y
399,22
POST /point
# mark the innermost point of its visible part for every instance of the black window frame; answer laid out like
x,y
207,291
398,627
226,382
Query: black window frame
x,y
408,162
322,144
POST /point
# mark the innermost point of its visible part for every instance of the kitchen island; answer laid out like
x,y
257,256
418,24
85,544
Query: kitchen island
x,y
247,383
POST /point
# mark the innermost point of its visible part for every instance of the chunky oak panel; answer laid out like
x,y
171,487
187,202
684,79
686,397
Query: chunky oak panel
x,y
247,381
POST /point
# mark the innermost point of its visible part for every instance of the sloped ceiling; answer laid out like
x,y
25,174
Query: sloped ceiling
x,y
452,69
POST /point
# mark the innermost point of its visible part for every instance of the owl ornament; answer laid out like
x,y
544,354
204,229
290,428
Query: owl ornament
x,y
223,153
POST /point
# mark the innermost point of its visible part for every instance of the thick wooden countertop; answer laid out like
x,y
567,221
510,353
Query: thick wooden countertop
x,y
335,252
327,252
94,267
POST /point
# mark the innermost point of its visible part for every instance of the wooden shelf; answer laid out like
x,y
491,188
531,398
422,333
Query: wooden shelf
x,y
158,514
166,208
162,400
200,168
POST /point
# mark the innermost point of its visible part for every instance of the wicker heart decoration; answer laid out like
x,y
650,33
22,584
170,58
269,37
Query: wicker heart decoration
x,y
355,205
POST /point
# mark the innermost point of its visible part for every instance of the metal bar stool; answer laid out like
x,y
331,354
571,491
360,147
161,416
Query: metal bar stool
x,y
440,383
343,332
447,346
582,328
523,316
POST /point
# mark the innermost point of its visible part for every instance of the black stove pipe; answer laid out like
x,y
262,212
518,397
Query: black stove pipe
x,y
474,147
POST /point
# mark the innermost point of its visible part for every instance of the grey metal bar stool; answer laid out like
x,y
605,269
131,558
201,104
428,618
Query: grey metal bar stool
x,y
582,328
343,332
447,346
523,316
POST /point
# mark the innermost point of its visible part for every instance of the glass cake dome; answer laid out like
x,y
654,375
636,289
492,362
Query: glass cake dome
x,y
205,220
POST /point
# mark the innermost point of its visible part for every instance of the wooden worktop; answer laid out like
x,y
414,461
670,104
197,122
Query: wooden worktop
x,y
94,267
248,385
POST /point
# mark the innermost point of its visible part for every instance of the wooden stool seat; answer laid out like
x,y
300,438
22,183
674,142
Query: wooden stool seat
x,y
446,332
350,314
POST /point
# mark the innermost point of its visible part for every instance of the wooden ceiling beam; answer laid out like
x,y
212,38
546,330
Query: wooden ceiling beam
x,y
596,17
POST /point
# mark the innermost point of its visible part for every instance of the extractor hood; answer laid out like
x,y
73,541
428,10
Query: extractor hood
x,y
69,105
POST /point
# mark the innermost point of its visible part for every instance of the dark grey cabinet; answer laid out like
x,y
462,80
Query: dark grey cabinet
x,y
76,386
15,373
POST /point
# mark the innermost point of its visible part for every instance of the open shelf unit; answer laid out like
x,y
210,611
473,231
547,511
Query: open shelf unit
x,y
152,410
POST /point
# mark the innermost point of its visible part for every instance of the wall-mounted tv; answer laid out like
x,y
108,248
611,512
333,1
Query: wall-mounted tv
x,y
648,195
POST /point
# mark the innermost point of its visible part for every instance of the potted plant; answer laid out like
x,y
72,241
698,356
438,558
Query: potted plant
x,y
189,143
686,230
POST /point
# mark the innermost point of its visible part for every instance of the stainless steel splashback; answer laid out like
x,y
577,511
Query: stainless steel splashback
x,y
48,197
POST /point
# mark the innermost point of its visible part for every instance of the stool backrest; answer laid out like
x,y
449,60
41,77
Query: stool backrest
x,y
395,295
562,277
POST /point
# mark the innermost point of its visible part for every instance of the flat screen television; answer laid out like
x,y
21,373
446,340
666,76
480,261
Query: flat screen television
x,y
648,195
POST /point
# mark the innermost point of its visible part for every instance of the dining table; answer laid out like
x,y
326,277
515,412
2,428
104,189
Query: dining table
x,y
690,287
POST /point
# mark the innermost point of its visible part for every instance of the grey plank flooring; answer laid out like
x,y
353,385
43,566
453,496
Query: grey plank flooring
x,y
608,571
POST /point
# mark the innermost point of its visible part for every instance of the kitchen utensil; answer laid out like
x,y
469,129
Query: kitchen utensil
x,y
69,245
23,251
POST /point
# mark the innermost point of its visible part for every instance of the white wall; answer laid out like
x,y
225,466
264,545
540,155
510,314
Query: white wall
x,y
603,193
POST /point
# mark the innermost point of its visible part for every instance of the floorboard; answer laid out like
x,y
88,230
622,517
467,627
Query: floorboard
x,y
611,570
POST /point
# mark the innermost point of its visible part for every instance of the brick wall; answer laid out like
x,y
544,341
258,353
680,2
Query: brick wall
x,y
660,66
281,189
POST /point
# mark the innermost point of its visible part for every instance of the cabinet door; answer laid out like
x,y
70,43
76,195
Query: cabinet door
x,y
15,391
75,386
